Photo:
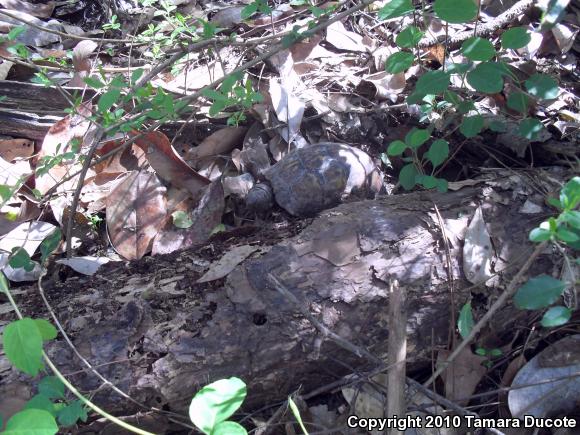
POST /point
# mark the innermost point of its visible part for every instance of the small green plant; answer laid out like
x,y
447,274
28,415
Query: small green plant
x,y
113,24
211,407
256,6
416,170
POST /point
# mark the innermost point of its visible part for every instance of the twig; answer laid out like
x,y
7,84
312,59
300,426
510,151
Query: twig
x,y
397,351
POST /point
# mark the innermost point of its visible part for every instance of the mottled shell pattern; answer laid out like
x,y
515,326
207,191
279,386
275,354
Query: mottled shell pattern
x,y
314,178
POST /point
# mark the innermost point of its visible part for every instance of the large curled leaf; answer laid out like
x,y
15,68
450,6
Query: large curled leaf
x,y
539,292
216,402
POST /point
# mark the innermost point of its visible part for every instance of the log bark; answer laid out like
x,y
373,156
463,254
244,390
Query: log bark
x,y
158,335
28,110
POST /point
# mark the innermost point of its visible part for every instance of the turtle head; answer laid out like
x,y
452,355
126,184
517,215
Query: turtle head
x,y
260,198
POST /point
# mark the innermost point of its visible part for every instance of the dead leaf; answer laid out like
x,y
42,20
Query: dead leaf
x,y
205,218
228,262
64,136
38,9
544,398
11,149
135,213
238,186
86,265
477,252
81,62
339,37
383,86
289,109
33,36
222,142
228,17
462,375
168,164
11,173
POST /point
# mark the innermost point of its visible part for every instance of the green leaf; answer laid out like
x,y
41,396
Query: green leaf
x,y
21,259
458,68
486,77
554,11
417,137
395,8
455,11
94,82
427,181
494,353
46,329
570,194
571,217
5,192
71,413
471,126
540,235
542,86
518,101
452,97
556,316
399,62
137,74
15,32
438,152
51,387
478,49
539,292
516,37
409,37
296,413
49,244
23,345
498,126
566,235
530,128
465,107
216,402
4,287
442,185
481,351
229,428
465,322
108,99
249,10
40,401
181,219
31,422
407,176
396,148
433,82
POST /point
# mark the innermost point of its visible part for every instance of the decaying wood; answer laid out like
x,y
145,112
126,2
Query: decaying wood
x,y
29,110
158,335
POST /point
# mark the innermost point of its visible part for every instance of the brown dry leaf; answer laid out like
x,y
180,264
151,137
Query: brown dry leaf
x,y
59,139
221,142
11,149
135,213
168,164
11,173
81,62
302,50
339,37
228,262
36,10
131,159
228,17
192,79
462,375
206,216
19,211
383,85
96,190
437,52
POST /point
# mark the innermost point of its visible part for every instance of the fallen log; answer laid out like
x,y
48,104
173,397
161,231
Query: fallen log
x,y
159,335
28,110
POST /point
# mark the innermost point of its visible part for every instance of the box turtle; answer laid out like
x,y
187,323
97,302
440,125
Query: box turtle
x,y
311,179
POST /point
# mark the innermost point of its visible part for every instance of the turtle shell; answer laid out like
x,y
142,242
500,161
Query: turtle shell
x,y
311,179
